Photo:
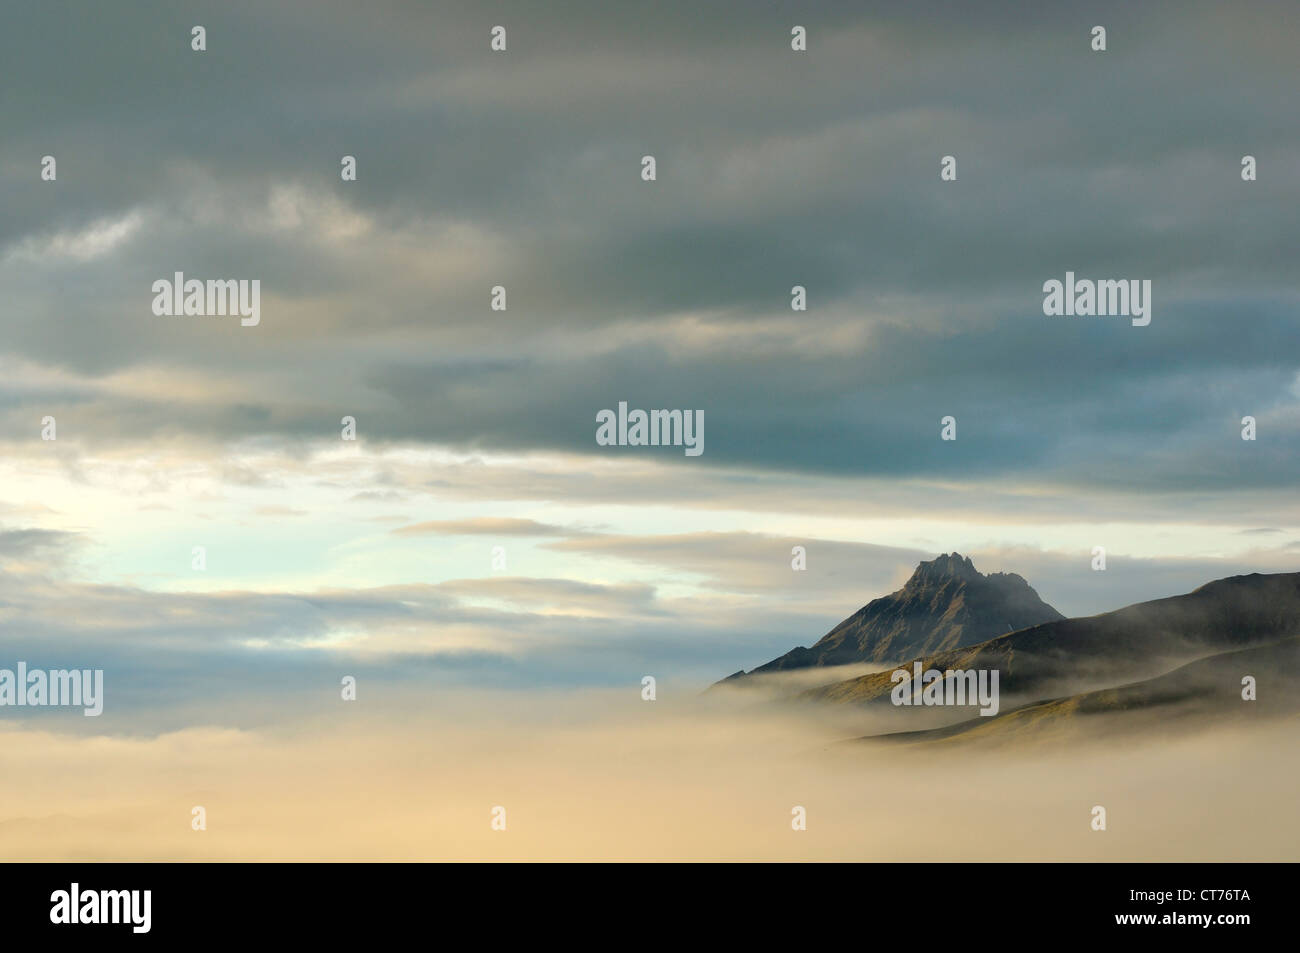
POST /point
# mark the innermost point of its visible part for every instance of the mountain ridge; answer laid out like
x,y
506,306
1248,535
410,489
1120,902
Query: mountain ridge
x,y
1136,642
946,603
1208,690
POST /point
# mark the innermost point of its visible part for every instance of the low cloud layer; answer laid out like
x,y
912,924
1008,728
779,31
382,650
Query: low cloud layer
x,y
611,777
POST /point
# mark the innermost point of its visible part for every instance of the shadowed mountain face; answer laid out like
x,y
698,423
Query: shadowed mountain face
x,y
946,604
1138,642
1208,692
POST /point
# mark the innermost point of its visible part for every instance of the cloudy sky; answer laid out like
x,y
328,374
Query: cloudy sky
x,y
476,428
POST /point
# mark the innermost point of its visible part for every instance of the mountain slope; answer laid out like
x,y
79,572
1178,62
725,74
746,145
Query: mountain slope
x,y
946,604
1202,693
1137,642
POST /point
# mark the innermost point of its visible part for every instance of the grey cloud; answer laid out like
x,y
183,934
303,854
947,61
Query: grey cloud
x,y
485,526
776,169
43,545
760,563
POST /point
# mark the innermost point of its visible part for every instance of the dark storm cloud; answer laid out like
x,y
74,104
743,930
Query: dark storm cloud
x,y
775,169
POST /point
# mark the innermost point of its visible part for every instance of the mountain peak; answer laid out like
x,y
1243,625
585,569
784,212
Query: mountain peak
x,y
952,566
947,603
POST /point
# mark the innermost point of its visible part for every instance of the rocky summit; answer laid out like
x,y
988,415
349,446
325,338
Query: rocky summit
x,y
947,604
